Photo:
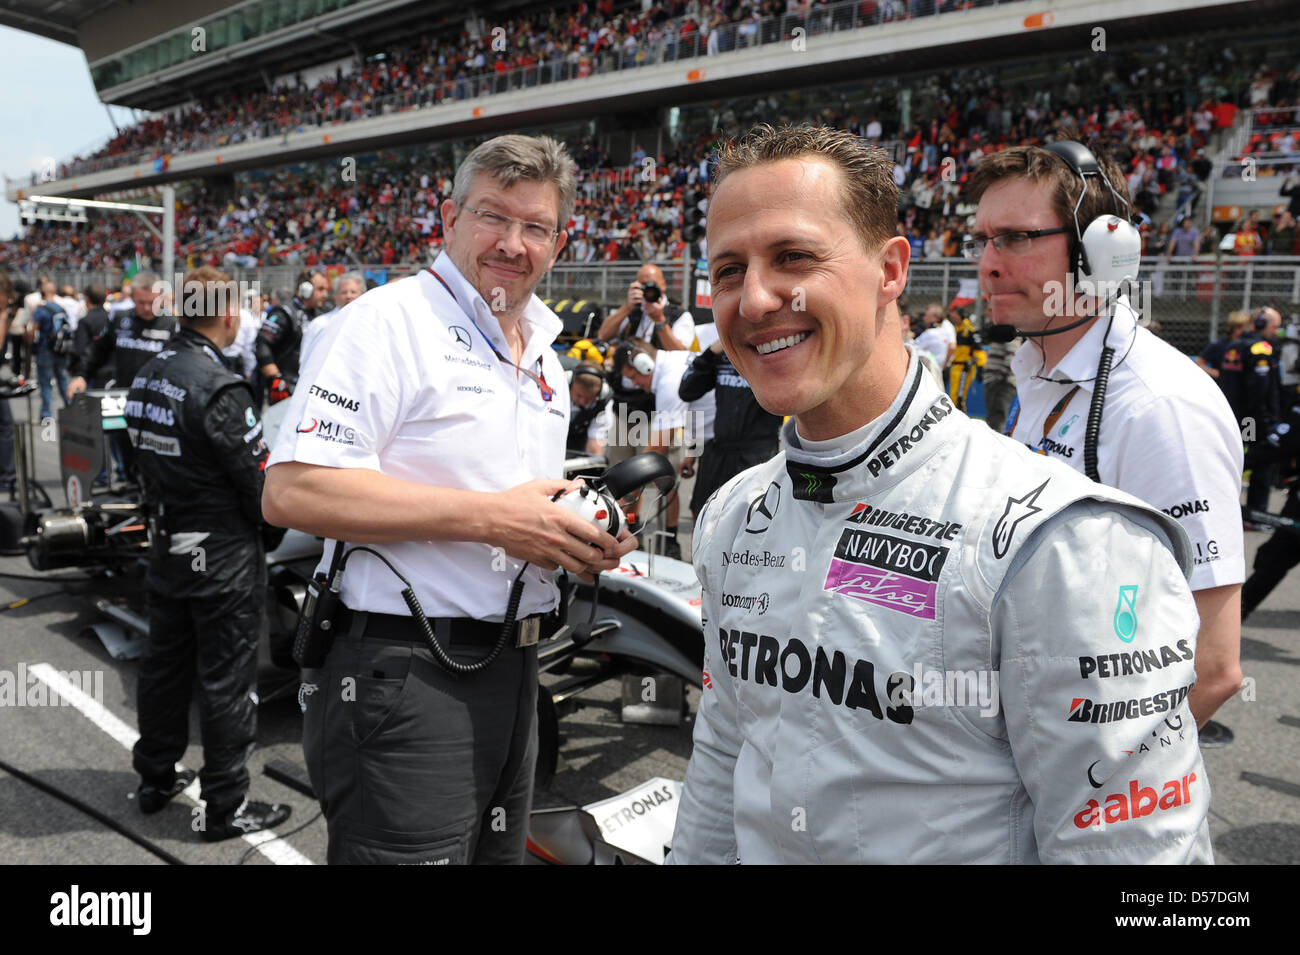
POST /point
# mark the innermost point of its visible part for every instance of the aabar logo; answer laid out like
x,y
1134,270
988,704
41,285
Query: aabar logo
x,y
1138,802
1016,510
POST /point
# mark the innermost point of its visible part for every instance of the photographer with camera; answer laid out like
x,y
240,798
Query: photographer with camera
x,y
646,316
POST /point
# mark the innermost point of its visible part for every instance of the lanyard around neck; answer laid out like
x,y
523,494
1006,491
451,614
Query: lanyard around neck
x,y
540,377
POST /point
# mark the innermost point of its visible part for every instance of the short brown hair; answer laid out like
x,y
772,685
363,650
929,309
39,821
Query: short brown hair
x,y
206,295
1036,165
870,193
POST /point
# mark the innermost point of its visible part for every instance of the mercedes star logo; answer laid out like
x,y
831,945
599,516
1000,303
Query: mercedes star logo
x,y
763,509
462,337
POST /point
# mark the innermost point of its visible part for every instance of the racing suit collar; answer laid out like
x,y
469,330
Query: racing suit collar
x,y
197,339
887,450
1080,363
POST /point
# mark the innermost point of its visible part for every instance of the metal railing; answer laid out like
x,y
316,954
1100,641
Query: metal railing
x,y
1190,299
677,43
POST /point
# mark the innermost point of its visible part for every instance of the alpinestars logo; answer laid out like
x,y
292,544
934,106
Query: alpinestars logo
x,y
1017,509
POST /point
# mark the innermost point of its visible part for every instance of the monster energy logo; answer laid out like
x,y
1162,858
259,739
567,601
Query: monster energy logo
x,y
1126,621
809,486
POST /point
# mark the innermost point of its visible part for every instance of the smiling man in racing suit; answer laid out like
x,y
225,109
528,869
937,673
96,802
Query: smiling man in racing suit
x,y
969,653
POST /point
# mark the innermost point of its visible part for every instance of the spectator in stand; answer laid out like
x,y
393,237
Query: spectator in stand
x,y
1248,241
1184,241
1282,237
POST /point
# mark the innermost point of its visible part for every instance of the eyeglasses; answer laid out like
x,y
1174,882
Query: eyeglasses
x,y
1013,243
494,222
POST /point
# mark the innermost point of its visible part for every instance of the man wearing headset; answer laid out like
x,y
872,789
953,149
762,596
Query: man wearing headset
x,y
280,339
1043,242
659,373
590,415
895,549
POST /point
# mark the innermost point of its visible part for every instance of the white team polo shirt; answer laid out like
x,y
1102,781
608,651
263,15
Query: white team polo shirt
x,y
670,410
404,382
1167,435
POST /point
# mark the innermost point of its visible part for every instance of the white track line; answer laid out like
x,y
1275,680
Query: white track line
x,y
267,843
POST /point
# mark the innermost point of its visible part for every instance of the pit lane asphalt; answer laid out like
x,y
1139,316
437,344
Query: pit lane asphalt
x,y
1254,814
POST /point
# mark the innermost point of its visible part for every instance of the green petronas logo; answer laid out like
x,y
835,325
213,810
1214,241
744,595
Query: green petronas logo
x,y
811,482
1126,621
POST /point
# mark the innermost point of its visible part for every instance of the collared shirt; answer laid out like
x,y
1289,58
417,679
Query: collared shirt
x,y
404,382
1167,435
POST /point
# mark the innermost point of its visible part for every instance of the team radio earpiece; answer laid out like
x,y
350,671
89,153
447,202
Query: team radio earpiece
x,y
586,368
1108,252
1106,256
305,290
642,363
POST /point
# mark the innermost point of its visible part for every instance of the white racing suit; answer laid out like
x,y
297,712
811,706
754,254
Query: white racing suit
x,y
939,647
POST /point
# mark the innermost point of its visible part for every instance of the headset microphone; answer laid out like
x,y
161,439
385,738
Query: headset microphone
x,y
1001,334
1105,257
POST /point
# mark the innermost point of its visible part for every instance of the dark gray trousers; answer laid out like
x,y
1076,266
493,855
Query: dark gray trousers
x,y
413,765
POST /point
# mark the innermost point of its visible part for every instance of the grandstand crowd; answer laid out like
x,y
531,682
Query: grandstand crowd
x,y
1160,115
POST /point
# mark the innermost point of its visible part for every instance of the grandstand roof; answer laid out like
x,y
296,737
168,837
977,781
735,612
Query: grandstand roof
x,y
56,19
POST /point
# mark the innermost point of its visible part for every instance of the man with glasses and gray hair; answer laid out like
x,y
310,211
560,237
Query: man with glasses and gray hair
x,y
441,404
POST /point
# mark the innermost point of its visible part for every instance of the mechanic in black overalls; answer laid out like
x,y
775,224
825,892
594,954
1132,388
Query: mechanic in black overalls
x,y
279,340
133,337
200,454
1281,552
744,434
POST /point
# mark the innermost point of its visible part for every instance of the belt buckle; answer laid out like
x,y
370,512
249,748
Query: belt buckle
x,y
530,631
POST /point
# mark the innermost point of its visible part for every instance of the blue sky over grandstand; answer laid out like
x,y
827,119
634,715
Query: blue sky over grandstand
x,y
48,107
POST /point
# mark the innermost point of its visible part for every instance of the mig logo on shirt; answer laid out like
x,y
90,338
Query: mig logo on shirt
x,y
898,575
328,430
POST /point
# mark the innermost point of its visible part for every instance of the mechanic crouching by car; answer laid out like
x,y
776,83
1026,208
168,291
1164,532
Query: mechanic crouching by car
x,y
200,454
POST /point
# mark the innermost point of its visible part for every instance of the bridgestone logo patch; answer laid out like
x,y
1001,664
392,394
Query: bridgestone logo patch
x,y
157,443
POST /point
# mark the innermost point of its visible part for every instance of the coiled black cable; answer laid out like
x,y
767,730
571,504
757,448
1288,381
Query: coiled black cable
x,y
436,648
1092,434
